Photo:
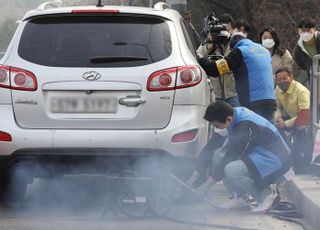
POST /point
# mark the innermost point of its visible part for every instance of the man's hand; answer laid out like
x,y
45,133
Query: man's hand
x,y
204,50
194,177
209,46
203,189
280,123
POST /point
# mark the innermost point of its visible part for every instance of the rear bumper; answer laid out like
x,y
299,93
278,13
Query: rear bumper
x,y
148,164
30,141
81,160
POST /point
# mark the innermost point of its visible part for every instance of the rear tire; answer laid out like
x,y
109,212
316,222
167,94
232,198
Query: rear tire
x,y
14,184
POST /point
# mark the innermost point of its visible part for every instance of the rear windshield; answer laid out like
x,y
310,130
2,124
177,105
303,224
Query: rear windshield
x,y
86,41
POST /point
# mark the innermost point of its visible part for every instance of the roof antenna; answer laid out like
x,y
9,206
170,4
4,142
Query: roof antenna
x,y
100,4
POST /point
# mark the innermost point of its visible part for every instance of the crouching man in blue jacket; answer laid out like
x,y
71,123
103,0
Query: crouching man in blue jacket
x,y
257,156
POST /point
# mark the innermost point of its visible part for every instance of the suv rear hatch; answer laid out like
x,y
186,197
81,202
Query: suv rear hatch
x,y
92,71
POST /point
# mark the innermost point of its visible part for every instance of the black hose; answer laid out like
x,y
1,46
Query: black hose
x,y
287,211
151,212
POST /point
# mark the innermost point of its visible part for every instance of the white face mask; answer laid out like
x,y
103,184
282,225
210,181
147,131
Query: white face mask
x,y
221,132
268,43
239,33
306,36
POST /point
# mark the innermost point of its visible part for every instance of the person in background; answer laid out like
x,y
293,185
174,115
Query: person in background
x,y
194,36
223,88
308,45
280,57
292,97
240,27
252,69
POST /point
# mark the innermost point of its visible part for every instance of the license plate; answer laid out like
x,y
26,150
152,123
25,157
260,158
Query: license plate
x,y
84,105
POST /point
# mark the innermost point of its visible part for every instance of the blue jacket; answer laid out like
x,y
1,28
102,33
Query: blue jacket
x,y
258,143
254,75
252,69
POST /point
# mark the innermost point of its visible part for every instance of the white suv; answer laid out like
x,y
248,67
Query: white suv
x,y
90,83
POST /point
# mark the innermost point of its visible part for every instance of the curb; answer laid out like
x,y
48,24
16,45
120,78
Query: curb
x,y
304,192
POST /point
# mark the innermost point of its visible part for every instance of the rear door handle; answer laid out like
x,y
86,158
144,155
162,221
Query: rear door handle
x,y
131,101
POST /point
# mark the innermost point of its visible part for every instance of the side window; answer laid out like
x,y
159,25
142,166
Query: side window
x,y
187,37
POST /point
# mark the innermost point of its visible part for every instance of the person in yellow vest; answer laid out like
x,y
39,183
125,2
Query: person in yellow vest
x,y
292,97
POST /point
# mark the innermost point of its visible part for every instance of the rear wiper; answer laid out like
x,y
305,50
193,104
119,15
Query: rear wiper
x,y
108,59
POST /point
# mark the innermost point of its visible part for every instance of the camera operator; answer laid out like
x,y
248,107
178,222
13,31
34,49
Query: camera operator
x,y
252,69
219,32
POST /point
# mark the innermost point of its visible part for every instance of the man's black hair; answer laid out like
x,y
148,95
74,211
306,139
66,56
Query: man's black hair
x,y
218,111
307,23
237,24
226,18
283,69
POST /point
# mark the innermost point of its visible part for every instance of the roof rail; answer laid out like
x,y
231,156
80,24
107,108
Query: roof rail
x,y
51,4
161,6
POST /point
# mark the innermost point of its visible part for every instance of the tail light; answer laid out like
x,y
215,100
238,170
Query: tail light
x,y
4,76
188,76
174,78
162,80
19,79
185,136
5,137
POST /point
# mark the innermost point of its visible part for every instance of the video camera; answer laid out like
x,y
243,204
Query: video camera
x,y
218,30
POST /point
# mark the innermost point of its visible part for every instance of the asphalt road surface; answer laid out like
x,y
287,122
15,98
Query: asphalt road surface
x,y
85,202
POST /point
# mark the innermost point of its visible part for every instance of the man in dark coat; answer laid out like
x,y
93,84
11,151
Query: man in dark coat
x,y
308,45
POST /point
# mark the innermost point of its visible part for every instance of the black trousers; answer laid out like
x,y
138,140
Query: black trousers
x,y
264,108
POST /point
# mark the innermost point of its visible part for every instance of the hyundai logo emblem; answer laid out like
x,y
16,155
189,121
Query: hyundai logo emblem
x,y
91,75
